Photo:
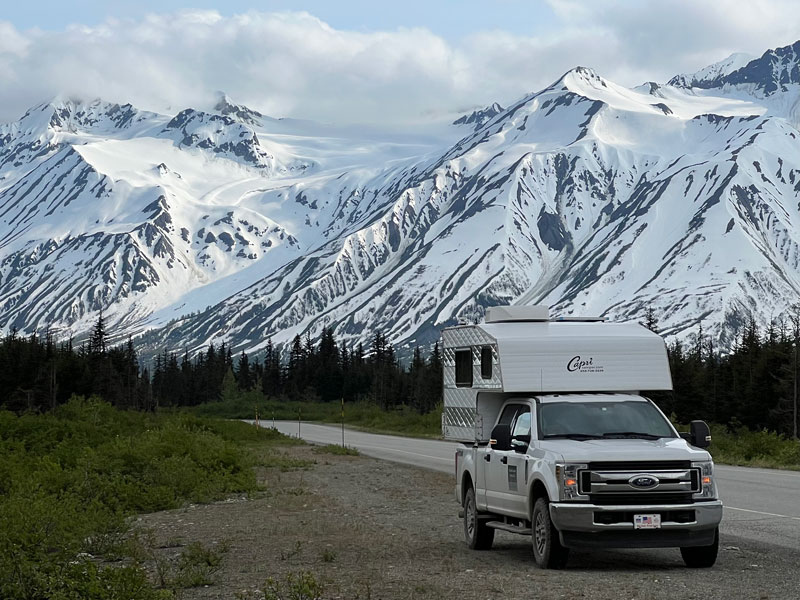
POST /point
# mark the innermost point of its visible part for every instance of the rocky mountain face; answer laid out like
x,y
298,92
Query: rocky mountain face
x,y
775,71
227,225
712,76
478,118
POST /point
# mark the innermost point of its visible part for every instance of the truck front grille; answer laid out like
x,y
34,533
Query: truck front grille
x,y
664,482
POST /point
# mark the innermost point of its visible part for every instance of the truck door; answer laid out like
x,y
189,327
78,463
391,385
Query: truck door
x,y
504,467
517,462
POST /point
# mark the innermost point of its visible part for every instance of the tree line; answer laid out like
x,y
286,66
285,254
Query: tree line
x,y
37,373
752,385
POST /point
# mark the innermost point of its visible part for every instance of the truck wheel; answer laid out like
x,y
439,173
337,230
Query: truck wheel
x,y
477,534
547,549
701,557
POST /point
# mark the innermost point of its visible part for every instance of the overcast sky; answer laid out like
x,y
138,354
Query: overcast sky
x,y
362,61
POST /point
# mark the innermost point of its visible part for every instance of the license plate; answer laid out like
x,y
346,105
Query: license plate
x,y
647,521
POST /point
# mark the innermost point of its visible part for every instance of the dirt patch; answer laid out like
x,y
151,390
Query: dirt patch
x,y
364,528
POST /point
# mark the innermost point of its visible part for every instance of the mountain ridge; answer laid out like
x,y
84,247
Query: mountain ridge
x,y
216,226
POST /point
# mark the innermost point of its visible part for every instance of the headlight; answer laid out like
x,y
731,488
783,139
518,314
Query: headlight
x,y
567,477
707,487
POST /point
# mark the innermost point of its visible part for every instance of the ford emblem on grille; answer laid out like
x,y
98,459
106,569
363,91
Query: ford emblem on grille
x,y
643,482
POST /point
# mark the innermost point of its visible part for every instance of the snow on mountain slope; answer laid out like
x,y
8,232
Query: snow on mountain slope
x,y
772,80
775,71
229,225
711,76
561,199
106,207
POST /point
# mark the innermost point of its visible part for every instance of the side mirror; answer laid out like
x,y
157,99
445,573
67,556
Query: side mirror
x,y
699,434
501,437
520,443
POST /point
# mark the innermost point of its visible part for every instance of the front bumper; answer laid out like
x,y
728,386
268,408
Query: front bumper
x,y
591,525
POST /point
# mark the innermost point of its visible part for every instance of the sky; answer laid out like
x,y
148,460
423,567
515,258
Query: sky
x,y
349,61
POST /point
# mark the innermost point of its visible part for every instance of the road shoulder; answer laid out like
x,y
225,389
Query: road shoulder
x,y
365,528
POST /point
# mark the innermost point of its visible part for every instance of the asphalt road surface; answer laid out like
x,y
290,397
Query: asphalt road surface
x,y
760,504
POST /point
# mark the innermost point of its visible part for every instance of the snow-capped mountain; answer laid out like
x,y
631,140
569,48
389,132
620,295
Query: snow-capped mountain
x,y
775,71
712,75
227,224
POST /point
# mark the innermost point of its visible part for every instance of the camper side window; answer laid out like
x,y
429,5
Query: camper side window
x,y
486,362
463,368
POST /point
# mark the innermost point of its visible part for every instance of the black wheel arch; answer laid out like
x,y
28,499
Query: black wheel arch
x,y
538,490
466,483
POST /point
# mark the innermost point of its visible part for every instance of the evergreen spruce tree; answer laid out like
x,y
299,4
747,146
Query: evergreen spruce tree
x,y
271,383
244,377
650,319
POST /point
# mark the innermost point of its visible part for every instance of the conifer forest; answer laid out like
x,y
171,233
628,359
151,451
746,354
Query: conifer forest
x,y
754,384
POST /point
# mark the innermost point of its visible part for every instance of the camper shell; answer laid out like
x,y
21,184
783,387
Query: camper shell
x,y
520,350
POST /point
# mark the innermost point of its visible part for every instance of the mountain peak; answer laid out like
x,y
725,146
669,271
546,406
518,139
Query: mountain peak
x,y
239,112
580,76
712,75
580,80
71,114
772,72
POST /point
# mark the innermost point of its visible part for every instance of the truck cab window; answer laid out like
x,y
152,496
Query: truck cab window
x,y
508,414
598,419
463,368
522,426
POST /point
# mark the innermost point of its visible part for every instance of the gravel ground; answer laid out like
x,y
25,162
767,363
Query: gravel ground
x,y
370,529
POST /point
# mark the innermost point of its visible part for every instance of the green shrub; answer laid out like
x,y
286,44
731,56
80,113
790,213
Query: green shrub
x,y
741,446
70,479
197,565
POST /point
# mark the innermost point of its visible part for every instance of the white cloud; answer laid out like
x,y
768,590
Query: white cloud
x,y
679,35
293,64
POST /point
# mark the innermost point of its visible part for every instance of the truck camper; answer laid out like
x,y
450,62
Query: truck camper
x,y
558,443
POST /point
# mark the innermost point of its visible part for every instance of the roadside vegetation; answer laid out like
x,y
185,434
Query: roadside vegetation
x,y
70,480
743,447
336,450
401,420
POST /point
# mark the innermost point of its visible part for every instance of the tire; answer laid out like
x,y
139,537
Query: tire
x,y
701,557
476,533
547,549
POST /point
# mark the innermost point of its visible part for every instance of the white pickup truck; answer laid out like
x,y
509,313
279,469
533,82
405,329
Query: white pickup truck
x,y
559,445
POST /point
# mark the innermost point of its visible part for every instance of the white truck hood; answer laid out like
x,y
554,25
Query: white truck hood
x,y
624,450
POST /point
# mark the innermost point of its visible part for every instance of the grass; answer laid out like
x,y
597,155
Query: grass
x,y
298,586
70,479
336,449
362,415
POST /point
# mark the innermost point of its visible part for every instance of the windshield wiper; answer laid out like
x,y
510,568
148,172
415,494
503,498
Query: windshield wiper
x,y
572,436
631,434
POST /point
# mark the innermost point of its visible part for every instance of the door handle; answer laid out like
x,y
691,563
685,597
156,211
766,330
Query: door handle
x,y
487,457
504,460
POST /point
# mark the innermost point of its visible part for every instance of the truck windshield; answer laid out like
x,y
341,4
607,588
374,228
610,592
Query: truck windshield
x,y
598,420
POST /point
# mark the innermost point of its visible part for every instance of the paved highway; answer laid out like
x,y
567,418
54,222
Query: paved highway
x,y
760,504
